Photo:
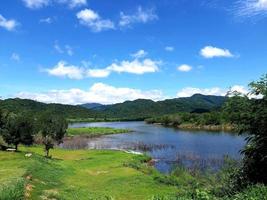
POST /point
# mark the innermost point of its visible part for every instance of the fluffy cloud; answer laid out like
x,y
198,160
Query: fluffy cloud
x,y
98,92
169,48
15,57
8,24
250,8
189,91
63,69
211,52
184,68
139,54
98,73
135,67
140,16
91,19
35,4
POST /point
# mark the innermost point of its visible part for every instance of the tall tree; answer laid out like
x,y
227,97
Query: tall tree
x,y
17,129
251,117
53,128
255,153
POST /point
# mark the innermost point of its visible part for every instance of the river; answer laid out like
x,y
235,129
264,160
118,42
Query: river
x,y
169,146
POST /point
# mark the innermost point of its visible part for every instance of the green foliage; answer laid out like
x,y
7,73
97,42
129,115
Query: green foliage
x,y
53,128
255,160
17,129
257,192
210,120
251,117
13,190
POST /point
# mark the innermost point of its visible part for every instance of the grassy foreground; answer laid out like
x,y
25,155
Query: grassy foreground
x,y
76,175
94,131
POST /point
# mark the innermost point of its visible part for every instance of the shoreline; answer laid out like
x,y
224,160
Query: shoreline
x,y
225,127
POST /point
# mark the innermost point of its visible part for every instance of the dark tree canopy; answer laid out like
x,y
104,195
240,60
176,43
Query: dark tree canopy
x,y
17,129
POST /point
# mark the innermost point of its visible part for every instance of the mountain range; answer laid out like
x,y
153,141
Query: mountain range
x,y
138,109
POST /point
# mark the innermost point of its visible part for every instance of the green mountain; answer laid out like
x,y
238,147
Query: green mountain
x,y
143,108
137,109
25,105
91,105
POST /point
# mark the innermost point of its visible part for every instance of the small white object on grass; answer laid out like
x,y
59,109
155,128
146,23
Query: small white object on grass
x,y
11,149
28,155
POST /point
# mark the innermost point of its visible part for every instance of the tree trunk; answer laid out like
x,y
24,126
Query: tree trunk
x,y
47,153
16,147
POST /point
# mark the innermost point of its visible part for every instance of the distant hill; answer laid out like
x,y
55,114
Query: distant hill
x,y
137,109
25,105
143,108
93,106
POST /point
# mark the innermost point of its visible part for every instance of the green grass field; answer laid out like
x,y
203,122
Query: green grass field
x,y
94,131
78,175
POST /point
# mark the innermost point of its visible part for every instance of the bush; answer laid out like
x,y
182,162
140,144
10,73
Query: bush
x,y
257,192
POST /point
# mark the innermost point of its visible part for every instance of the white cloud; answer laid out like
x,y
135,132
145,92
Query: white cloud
x,y
62,69
98,92
211,52
250,8
189,91
140,16
139,54
98,73
135,66
76,3
35,4
8,24
91,19
47,20
184,68
15,57
169,48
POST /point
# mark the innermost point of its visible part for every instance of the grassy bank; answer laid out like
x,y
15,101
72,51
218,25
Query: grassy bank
x,y
105,175
94,131
78,175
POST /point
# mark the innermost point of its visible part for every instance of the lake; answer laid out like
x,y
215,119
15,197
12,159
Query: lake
x,y
169,146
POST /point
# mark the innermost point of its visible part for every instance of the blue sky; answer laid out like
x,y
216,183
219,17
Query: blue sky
x,y
78,51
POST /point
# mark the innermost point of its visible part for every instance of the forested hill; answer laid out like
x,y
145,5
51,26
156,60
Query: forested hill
x,y
137,109
92,105
142,108
25,105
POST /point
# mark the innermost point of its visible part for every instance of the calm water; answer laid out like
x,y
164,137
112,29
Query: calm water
x,y
169,146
